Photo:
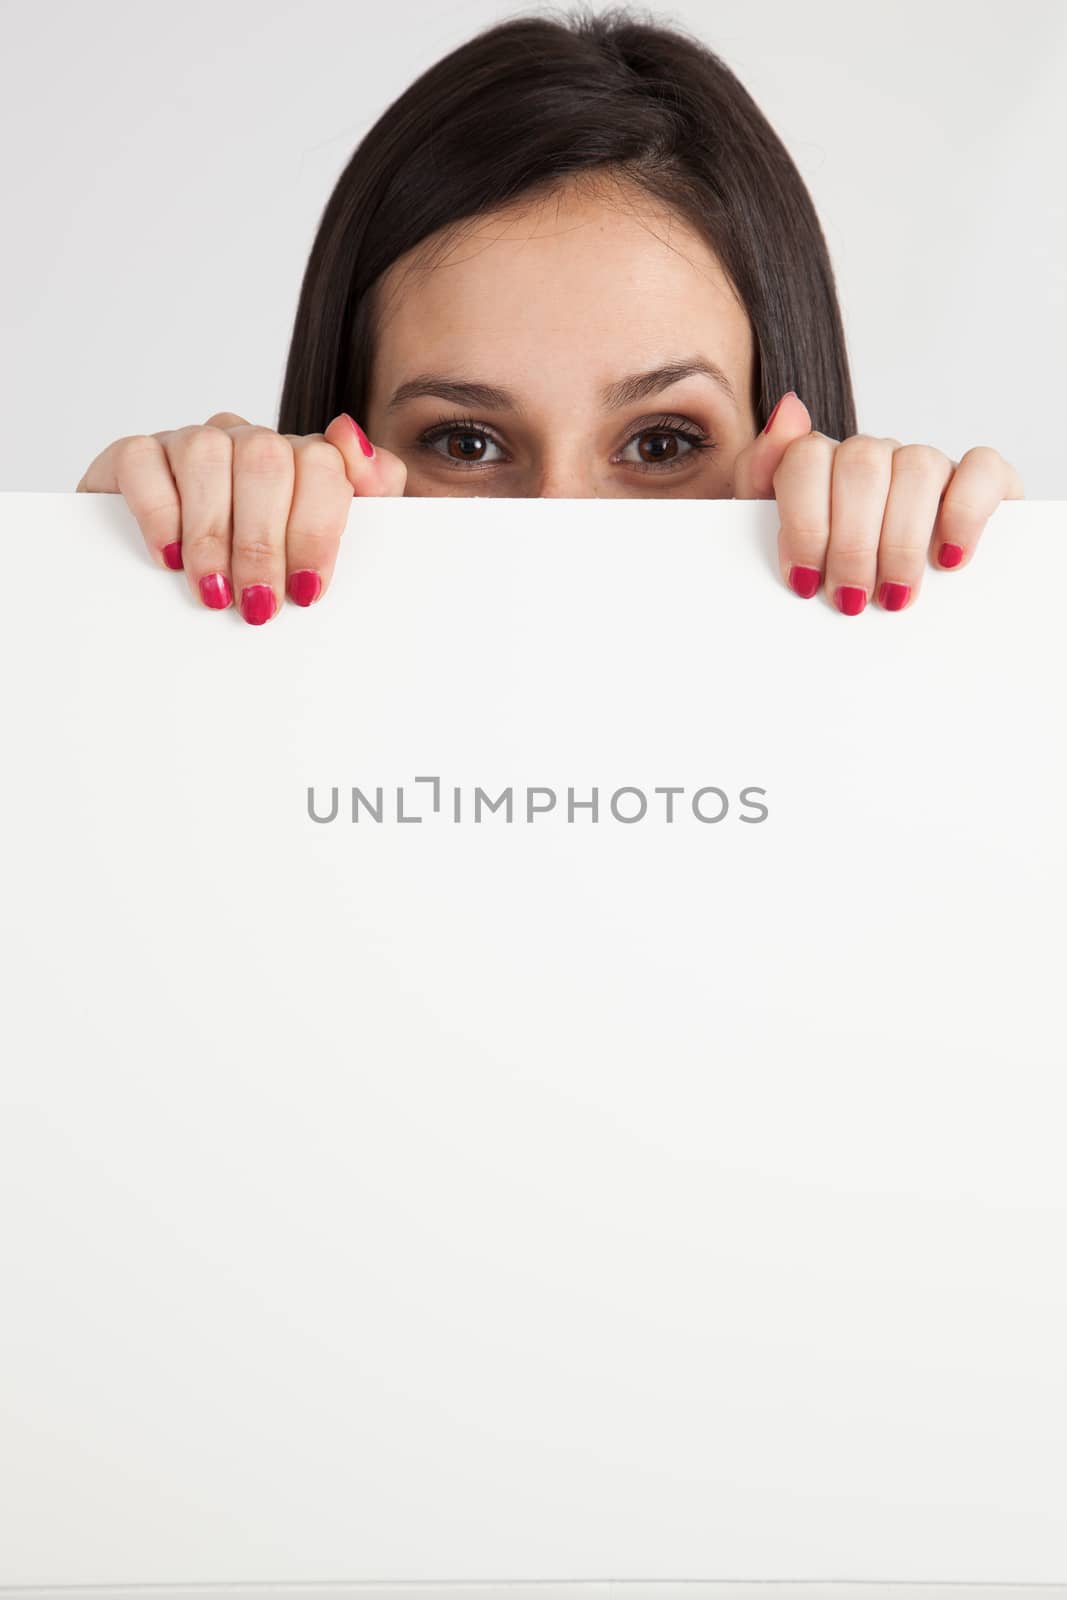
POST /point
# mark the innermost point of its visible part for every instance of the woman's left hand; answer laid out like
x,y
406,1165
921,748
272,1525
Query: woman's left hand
x,y
864,514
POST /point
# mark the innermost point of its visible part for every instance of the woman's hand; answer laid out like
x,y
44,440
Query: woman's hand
x,y
865,513
243,509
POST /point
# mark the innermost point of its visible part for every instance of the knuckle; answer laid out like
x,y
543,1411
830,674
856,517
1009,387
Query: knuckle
x,y
254,550
804,456
847,548
318,455
261,450
204,447
136,447
803,533
205,541
907,550
957,508
982,453
317,537
157,522
918,460
225,419
865,452
816,445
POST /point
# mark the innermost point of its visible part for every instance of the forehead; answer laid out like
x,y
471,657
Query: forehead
x,y
578,273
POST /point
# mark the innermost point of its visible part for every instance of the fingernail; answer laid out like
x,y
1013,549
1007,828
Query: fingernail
x,y
894,596
774,413
804,581
172,555
950,555
850,599
304,586
257,602
364,443
215,590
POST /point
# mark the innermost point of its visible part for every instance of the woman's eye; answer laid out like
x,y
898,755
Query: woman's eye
x,y
462,445
662,447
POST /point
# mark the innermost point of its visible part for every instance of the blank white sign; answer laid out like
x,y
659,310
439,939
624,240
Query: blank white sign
x,y
555,1198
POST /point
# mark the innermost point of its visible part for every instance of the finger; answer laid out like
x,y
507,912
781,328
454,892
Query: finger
x,y
137,467
979,483
370,469
862,472
322,499
919,476
263,479
754,468
802,489
201,459
227,419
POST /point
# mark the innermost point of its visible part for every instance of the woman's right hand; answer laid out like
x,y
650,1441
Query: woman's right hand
x,y
245,510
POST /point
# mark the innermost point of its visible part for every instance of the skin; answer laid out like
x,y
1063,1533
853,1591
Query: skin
x,y
553,299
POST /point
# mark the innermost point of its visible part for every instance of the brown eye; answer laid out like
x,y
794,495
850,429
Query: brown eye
x,y
466,446
664,447
462,444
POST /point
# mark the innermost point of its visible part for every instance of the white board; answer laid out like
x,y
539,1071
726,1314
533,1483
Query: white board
x,y
544,1200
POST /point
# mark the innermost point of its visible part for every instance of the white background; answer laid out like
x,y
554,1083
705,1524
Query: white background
x,y
549,1201
163,169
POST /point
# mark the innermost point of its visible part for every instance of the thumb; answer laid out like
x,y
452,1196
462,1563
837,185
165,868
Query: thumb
x,y
370,468
755,467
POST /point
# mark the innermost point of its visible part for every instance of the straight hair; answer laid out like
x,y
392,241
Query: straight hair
x,y
539,100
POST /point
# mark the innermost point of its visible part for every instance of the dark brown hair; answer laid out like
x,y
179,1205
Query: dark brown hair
x,y
538,99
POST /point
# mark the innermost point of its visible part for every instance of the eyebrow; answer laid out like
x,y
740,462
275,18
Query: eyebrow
x,y
623,392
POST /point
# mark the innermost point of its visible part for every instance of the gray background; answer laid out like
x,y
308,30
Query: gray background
x,y
165,167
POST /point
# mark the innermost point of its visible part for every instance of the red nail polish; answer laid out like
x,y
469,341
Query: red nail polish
x,y
215,590
172,555
364,443
257,603
850,599
304,586
774,413
950,555
894,596
804,581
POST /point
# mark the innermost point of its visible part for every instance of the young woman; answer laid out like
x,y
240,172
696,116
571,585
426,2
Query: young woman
x,y
572,259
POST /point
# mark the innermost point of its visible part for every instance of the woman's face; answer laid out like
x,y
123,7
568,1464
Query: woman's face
x,y
529,361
